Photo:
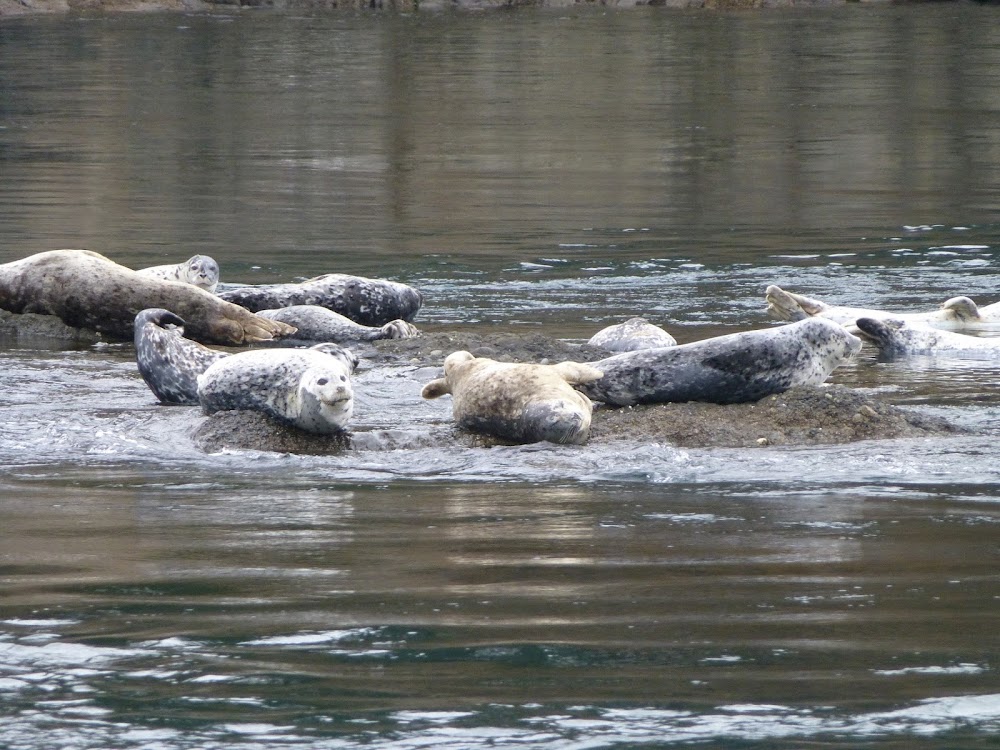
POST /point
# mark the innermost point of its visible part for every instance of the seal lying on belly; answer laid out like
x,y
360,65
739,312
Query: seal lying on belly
x,y
201,271
731,369
897,338
305,388
169,363
633,334
86,290
370,302
524,403
315,323
955,313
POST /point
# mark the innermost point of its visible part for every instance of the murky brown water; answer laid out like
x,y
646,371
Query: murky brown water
x,y
544,171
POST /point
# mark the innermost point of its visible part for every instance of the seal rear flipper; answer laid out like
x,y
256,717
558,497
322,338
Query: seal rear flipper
x,y
577,373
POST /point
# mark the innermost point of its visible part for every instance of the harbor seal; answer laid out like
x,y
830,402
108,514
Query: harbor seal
x,y
524,403
200,270
633,334
169,363
898,338
315,323
305,388
731,369
954,314
86,290
370,302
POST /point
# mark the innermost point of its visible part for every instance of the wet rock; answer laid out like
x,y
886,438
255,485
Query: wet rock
x,y
432,348
32,327
807,415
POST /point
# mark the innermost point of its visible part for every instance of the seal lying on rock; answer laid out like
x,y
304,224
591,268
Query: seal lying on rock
x,y
86,290
169,363
520,402
897,338
630,336
200,270
731,369
315,323
371,302
306,388
955,313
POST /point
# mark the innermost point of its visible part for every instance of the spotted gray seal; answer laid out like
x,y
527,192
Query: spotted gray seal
x,y
169,363
731,369
633,334
955,313
86,290
524,403
315,323
370,302
897,338
200,270
306,388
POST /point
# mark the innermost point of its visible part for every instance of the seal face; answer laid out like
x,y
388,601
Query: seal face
x,y
731,369
371,302
306,388
86,290
630,336
955,313
200,270
898,338
315,323
524,403
169,363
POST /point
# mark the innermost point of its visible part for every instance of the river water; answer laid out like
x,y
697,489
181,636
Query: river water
x,y
540,171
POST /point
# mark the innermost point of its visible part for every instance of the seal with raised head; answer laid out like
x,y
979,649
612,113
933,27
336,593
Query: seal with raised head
x,y
86,290
630,336
169,363
524,403
897,338
200,270
955,313
370,302
305,388
731,369
315,323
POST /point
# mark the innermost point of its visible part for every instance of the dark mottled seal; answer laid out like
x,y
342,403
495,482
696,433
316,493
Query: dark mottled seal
x,y
86,290
898,338
732,369
306,388
630,336
315,323
371,302
200,270
169,363
520,402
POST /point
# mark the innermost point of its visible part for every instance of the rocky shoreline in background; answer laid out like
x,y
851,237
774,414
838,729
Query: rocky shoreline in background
x,y
17,8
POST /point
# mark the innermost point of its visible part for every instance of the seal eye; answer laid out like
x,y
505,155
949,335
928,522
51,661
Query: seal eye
x,y
322,381
343,379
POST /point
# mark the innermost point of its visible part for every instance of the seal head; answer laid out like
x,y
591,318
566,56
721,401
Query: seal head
x,y
200,270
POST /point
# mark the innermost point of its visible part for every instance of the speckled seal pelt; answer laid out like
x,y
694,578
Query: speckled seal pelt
x,y
201,271
732,369
524,403
306,388
86,290
370,302
316,324
169,363
630,336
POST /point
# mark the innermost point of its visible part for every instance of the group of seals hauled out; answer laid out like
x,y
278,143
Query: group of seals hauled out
x,y
311,389
935,333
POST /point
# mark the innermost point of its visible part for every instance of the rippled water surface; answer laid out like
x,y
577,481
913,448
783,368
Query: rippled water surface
x,y
548,172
